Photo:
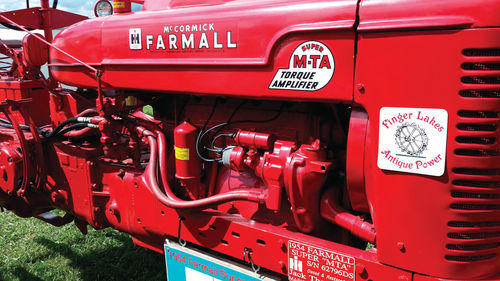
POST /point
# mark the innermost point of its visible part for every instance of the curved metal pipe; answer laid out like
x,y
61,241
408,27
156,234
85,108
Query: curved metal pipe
x,y
172,201
334,213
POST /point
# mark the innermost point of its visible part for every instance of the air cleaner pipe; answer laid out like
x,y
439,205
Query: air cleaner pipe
x,y
172,201
334,213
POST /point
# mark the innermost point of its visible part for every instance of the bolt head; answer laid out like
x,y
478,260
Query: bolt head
x,y
361,88
360,268
401,246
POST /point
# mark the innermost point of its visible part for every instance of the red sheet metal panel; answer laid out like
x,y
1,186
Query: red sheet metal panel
x,y
17,90
228,49
405,14
437,225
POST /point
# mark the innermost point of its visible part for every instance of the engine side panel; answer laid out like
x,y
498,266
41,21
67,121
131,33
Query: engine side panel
x,y
436,225
380,14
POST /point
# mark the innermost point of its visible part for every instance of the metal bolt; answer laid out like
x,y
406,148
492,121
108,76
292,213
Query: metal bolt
x,y
121,173
360,268
401,247
283,246
283,266
361,88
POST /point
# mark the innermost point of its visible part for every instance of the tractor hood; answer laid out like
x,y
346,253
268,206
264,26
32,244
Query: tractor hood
x,y
187,32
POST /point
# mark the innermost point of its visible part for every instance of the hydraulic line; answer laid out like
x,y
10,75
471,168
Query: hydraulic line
x,y
6,124
85,132
59,130
172,201
61,126
80,133
77,126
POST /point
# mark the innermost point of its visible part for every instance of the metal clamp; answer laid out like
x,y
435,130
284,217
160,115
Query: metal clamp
x,y
248,252
181,241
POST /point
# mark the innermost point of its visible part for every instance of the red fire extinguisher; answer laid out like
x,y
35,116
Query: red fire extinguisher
x,y
187,163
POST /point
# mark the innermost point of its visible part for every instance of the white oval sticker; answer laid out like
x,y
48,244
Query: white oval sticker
x,y
311,67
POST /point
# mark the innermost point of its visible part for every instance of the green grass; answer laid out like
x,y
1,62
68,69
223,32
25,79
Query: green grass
x,y
148,109
33,250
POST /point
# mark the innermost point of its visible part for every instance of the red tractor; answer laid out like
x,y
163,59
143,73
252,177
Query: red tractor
x,y
284,137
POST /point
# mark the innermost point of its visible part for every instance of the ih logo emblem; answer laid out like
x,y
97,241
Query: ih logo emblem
x,y
295,264
135,39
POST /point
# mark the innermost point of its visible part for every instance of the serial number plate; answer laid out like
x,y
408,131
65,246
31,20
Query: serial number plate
x,y
185,264
310,263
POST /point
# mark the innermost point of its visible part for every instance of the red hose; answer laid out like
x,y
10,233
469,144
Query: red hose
x,y
172,201
85,132
87,112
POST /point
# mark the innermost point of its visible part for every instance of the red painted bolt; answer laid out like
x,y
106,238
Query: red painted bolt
x,y
283,266
360,268
401,247
361,88
121,173
283,246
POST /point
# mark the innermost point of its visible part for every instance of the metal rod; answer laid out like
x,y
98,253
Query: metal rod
x,y
253,195
50,44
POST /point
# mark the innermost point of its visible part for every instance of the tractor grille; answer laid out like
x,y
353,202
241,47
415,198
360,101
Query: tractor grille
x,y
475,192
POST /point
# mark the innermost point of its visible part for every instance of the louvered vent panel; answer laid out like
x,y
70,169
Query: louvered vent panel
x,y
476,189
